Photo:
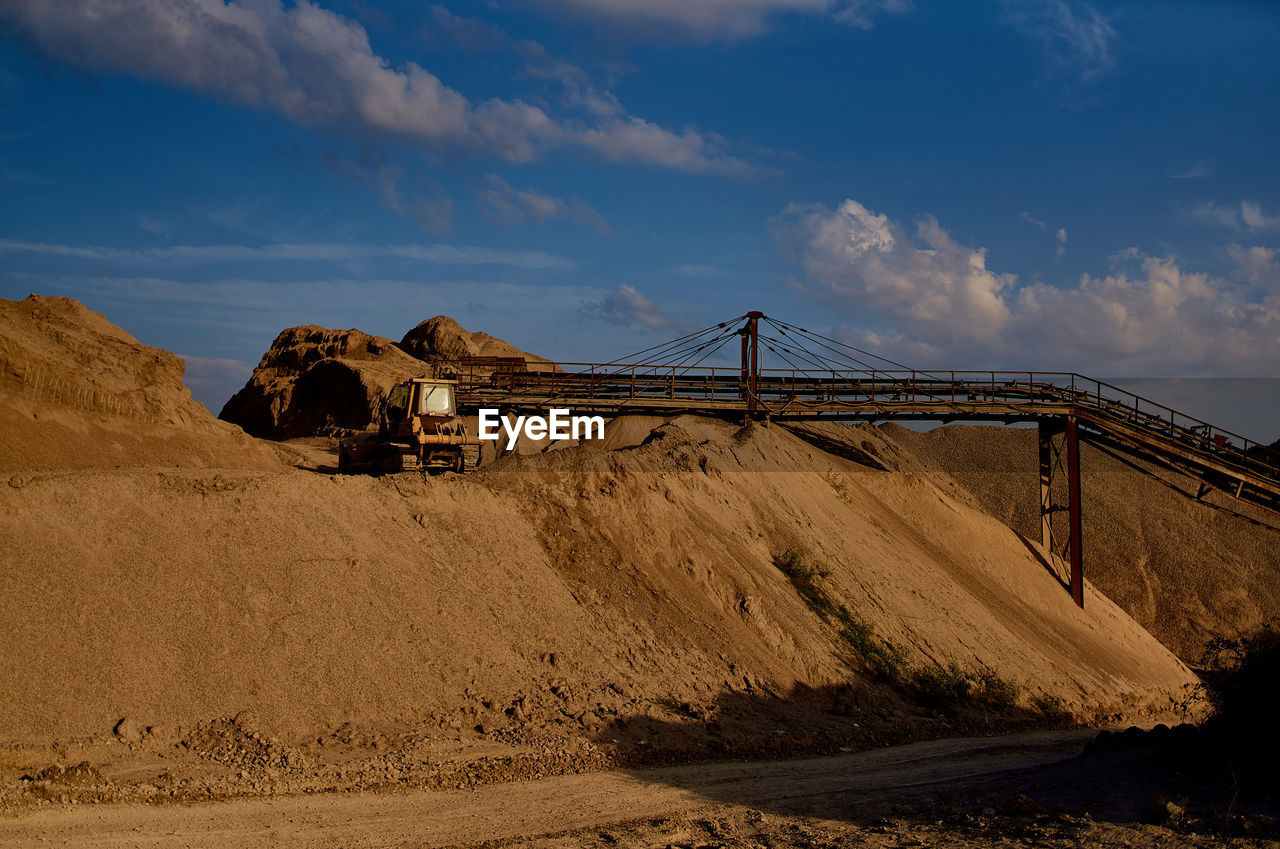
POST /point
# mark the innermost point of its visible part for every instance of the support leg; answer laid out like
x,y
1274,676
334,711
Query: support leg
x,y
1073,510
1046,433
1049,432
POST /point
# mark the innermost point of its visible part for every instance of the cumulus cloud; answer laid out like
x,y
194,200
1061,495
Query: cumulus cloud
x,y
627,306
939,290
1258,265
512,206
309,64
947,308
1062,242
1078,40
727,19
318,69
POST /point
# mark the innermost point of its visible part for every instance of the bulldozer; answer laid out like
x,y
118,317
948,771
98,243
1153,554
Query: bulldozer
x,y
418,430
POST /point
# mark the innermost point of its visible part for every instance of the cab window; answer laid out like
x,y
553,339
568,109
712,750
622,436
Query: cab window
x,y
399,397
435,399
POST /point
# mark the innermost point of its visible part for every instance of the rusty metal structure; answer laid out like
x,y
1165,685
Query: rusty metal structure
x,y
825,379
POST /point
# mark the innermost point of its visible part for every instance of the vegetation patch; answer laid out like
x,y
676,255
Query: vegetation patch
x,y
941,687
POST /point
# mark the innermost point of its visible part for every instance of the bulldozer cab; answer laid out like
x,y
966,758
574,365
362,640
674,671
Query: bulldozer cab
x,y
420,397
432,398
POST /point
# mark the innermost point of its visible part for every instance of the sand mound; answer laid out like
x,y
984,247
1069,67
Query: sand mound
x,y
575,583
78,392
314,381
441,338
1187,572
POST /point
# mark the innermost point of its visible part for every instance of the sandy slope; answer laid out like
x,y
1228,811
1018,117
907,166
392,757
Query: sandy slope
x,y
173,598
1187,572
77,392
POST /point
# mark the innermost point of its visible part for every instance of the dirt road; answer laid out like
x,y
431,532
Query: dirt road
x,y
825,787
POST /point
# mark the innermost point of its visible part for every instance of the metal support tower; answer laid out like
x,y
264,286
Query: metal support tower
x,y
750,334
1054,461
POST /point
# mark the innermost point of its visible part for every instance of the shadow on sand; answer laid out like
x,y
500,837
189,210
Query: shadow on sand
x,y
860,756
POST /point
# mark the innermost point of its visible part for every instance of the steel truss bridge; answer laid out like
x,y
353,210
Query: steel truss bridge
x,y
825,379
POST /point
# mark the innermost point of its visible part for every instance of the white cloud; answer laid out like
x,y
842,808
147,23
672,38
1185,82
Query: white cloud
x,y
1124,255
627,306
309,64
1078,40
726,19
318,69
942,290
947,309
293,252
1255,219
512,206
1258,265
1247,216
1062,242
634,139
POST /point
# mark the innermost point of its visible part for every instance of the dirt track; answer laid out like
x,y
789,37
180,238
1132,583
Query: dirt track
x,y
820,787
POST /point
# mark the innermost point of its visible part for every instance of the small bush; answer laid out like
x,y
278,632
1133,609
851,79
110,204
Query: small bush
x,y
941,686
997,691
1048,704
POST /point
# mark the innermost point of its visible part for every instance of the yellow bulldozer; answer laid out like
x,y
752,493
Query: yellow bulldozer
x,y
418,430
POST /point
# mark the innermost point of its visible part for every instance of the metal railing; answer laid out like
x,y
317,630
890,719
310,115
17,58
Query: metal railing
x,y
871,394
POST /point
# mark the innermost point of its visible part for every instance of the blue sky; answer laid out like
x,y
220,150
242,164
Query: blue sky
x,y
1011,184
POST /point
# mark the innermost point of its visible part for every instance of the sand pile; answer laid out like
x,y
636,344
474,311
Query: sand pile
x,y
1187,572
314,381
573,585
441,339
78,392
